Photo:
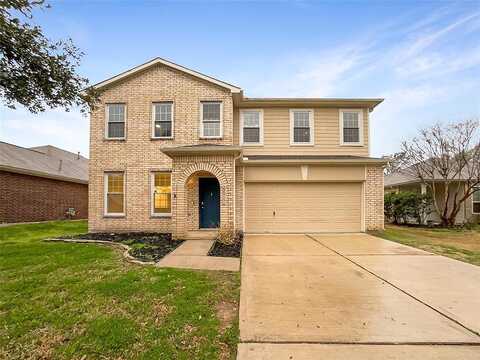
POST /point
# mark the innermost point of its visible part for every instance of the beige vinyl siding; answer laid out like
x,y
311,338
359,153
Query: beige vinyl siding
x,y
303,207
326,128
304,173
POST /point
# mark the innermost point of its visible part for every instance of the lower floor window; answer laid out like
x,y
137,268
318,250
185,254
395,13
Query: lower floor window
x,y
161,193
114,193
476,201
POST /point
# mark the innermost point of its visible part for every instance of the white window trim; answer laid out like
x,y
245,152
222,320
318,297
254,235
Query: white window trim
x,y
153,119
260,143
360,125
201,119
473,212
107,106
152,190
105,192
311,121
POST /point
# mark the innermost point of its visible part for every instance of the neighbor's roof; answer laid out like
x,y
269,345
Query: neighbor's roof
x,y
323,159
156,61
44,161
404,178
399,178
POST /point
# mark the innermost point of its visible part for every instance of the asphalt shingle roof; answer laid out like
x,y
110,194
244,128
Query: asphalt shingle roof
x,y
44,161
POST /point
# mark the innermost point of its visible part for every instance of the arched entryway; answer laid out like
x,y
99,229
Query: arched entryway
x,y
203,197
195,180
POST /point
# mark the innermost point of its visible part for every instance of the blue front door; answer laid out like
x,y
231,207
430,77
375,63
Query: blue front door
x,y
209,202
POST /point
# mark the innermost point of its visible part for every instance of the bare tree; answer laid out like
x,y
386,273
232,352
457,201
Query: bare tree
x,y
446,158
394,163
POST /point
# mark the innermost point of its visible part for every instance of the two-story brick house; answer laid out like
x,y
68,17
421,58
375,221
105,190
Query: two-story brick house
x,y
173,150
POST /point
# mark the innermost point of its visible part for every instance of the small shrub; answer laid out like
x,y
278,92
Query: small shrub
x,y
227,236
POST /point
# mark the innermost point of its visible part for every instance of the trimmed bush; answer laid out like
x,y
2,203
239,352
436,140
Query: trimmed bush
x,y
407,206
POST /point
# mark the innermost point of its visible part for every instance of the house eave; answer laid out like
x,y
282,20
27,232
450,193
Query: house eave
x,y
200,150
245,102
358,162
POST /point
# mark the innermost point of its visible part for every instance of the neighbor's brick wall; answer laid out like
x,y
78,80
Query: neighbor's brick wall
x,y
374,218
138,155
25,198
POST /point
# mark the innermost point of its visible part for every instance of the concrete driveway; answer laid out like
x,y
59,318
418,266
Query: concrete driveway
x,y
334,295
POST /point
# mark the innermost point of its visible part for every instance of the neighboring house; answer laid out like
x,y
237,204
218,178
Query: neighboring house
x,y
469,210
173,150
41,183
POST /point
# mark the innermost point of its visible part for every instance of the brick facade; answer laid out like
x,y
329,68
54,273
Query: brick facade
x,y
374,219
25,198
139,155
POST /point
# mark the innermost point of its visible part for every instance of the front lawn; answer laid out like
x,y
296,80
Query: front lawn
x,y
459,244
83,301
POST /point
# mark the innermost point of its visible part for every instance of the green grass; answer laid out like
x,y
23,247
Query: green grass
x,y
83,301
460,244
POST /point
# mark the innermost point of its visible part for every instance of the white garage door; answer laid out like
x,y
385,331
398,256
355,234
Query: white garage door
x,y
303,207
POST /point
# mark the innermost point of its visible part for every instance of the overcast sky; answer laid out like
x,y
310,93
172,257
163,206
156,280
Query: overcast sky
x,y
422,57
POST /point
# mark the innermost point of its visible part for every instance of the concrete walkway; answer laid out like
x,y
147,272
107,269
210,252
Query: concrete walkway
x,y
192,254
354,296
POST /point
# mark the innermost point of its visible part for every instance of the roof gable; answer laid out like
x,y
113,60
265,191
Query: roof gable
x,y
157,61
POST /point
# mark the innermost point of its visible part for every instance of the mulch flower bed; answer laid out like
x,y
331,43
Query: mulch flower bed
x,y
223,250
143,246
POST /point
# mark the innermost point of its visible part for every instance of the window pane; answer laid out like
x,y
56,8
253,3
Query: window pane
x,y
251,119
116,130
251,135
476,195
163,112
476,207
301,135
162,194
116,112
351,135
115,183
163,129
115,203
350,120
162,179
301,119
211,129
211,111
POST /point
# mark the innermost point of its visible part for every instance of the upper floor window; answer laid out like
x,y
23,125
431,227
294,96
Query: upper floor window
x,y
161,194
476,201
301,127
251,127
351,124
114,194
211,119
162,120
115,127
